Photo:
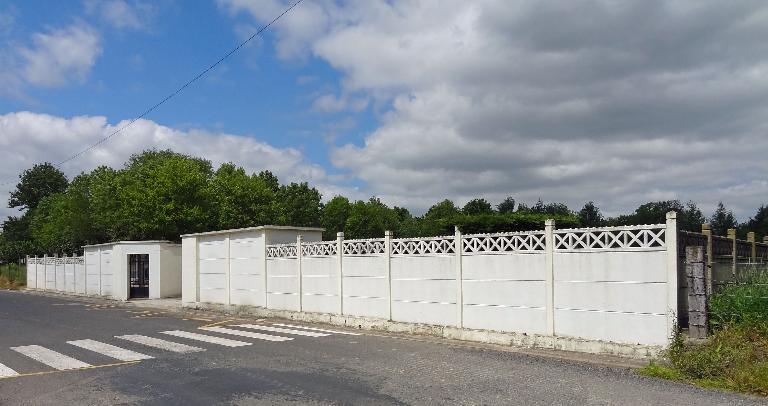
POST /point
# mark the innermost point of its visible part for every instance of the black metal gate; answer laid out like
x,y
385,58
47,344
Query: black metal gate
x,y
138,268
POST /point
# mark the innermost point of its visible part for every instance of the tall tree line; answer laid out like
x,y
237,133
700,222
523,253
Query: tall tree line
x,y
163,194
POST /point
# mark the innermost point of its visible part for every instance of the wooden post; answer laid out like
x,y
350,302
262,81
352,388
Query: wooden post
x,y
706,230
732,237
697,292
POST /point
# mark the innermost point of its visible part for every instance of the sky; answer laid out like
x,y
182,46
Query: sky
x,y
619,103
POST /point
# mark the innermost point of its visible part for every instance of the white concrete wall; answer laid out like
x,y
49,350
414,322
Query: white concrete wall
x,y
93,271
107,273
170,271
31,273
80,279
69,276
505,292
246,268
366,291
609,284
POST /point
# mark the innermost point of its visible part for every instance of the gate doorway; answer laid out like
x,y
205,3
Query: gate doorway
x,y
138,273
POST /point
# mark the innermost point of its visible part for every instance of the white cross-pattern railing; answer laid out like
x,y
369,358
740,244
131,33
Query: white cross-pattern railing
x,y
74,260
423,246
281,251
631,238
319,249
374,246
503,243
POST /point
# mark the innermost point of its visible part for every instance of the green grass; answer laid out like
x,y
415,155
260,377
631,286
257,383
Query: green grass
x,y
735,357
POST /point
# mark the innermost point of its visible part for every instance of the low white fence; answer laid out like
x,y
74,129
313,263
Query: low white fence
x,y
63,274
616,284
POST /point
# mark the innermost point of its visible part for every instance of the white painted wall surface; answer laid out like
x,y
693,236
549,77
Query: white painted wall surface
x,y
107,273
93,271
365,286
69,276
505,292
61,278
424,289
320,284
189,270
283,284
80,279
246,268
214,269
32,273
50,275
170,270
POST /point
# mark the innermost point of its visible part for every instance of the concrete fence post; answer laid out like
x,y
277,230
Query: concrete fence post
x,y
459,277
732,237
55,272
697,292
549,281
26,259
707,231
301,275
670,240
340,250
388,258
753,246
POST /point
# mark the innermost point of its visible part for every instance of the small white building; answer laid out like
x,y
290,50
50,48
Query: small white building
x,y
133,269
228,266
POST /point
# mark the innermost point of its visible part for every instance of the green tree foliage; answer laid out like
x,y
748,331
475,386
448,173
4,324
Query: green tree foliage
x,y
689,216
590,216
161,195
299,205
506,206
477,206
759,222
334,216
722,219
370,219
36,183
553,209
239,200
442,210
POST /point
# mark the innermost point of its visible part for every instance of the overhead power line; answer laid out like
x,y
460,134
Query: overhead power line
x,y
175,92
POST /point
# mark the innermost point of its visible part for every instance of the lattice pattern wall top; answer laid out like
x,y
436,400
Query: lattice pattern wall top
x,y
74,260
364,247
617,238
499,243
56,260
320,249
281,251
423,246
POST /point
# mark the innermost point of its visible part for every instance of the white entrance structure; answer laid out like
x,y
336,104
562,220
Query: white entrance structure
x,y
229,266
108,269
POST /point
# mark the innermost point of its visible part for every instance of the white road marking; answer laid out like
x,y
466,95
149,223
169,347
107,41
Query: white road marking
x,y
6,372
161,344
109,350
51,358
281,330
315,329
208,339
248,334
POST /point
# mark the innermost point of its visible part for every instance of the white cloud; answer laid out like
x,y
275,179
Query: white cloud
x,y
121,14
617,102
60,56
329,103
28,138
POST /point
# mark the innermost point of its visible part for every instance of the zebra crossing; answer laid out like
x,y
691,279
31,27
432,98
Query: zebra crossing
x,y
59,361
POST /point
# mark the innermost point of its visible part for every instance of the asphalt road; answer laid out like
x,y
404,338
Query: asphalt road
x,y
369,368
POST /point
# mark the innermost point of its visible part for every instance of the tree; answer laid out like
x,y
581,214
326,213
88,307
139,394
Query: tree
x,y
759,222
370,219
689,216
334,216
442,210
506,206
477,206
590,216
239,200
270,180
552,209
36,183
722,220
299,205
161,195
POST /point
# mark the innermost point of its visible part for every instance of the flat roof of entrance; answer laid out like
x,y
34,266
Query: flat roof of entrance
x,y
237,230
165,242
